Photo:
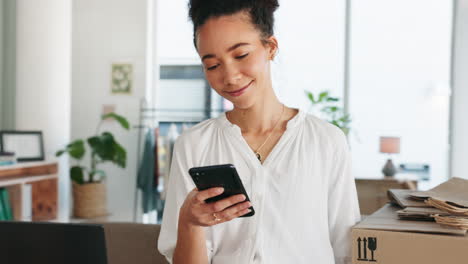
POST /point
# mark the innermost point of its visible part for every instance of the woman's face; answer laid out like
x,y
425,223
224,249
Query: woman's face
x,y
235,60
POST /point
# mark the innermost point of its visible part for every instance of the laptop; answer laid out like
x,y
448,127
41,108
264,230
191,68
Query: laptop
x,y
51,243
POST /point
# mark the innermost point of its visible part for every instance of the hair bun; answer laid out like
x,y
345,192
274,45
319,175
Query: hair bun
x,y
260,11
270,4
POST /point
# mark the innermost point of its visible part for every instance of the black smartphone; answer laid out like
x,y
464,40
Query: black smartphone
x,y
220,176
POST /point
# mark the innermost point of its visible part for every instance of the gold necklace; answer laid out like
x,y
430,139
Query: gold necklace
x,y
257,152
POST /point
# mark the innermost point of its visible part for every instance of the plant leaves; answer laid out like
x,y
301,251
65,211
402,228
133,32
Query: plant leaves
x,y
120,119
76,149
345,130
77,175
334,113
330,109
311,97
120,157
107,149
103,146
323,96
334,122
345,119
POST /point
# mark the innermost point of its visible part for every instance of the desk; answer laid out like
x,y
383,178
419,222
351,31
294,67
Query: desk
x,y
372,192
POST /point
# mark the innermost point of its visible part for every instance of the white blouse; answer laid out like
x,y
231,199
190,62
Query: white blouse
x,y
303,194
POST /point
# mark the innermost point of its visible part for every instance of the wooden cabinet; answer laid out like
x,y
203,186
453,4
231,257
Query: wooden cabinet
x,y
40,181
372,193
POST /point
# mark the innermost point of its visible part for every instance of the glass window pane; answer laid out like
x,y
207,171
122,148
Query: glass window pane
x,y
311,50
399,83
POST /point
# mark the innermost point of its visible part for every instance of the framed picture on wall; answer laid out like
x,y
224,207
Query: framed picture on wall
x,y
27,145
122,78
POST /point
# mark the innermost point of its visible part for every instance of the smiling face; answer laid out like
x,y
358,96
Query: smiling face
x,y
235,59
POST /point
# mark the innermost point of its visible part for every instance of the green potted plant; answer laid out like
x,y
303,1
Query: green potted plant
x,y
89,192
330,110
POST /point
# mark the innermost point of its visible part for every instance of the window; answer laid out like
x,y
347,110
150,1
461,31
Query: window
x,y
399,71
399,83
311,54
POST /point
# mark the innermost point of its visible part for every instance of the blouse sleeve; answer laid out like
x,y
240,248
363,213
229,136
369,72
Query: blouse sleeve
x,y
180,184
343,206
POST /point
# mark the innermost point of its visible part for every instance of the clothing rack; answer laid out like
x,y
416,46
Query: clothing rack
x,y
153,116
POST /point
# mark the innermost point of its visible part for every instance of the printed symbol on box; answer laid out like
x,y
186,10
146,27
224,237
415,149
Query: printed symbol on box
x,y
367,243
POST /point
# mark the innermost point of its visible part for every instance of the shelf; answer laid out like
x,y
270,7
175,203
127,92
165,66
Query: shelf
x,y
25,180
28,164
33,189
24,169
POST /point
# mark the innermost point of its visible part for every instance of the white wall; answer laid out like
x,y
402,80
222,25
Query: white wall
x,y
459,124
107,31
174,41
43,78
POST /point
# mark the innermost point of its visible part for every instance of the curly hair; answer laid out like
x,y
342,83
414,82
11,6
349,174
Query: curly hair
x,y
260,12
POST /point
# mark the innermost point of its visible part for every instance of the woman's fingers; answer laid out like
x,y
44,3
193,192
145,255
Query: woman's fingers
x,y
241,213
225,203
209,193
234,211
208,214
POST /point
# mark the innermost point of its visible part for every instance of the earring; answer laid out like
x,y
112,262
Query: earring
x,y
273,56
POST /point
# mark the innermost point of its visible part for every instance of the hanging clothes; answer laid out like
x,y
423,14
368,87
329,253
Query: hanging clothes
x,y
159,206
171,138
146,172
156,158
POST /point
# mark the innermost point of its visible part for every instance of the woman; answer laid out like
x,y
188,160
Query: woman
x,y
295,167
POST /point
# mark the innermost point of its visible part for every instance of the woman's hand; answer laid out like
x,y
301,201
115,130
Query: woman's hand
x,y
196,212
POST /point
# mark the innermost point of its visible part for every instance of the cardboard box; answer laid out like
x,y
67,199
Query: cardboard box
x,y
383,239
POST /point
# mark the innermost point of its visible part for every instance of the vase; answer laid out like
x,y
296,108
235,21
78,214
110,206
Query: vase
x,y
89,200
389,169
